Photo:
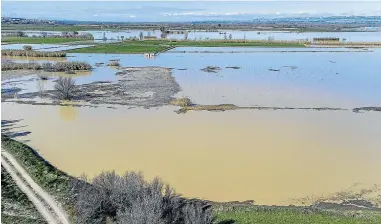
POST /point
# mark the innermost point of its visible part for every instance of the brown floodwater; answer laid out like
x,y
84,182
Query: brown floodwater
x,y
267,156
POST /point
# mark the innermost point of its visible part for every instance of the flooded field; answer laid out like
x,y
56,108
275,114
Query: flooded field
x,y
268,156
236,34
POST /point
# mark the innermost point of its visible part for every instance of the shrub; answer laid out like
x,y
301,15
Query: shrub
x,y
48,66
41,87
65,88
5,66
182,102
66,66
31,53
27,47
131,199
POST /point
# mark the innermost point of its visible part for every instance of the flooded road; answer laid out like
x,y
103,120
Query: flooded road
x,y
268,156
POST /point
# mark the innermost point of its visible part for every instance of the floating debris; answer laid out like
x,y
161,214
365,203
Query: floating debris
x,y
274,70
233,67
211,69
290,67
99,64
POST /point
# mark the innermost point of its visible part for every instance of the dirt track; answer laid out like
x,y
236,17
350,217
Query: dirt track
x,y
44,203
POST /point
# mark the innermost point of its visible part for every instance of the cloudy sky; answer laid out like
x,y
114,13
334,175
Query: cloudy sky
x,y
183,10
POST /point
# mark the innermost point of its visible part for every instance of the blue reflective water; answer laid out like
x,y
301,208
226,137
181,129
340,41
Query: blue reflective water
x,y
268,77
304,79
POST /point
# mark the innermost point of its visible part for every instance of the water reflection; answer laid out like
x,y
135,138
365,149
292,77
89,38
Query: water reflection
x,y
68,113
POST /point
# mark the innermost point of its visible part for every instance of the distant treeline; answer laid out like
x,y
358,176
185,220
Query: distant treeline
x,y
30,53
49,67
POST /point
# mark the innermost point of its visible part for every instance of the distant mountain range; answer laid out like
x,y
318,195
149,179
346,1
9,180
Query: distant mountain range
x,y
370,21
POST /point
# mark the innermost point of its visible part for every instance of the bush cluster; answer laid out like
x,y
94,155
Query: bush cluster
x,y
132,200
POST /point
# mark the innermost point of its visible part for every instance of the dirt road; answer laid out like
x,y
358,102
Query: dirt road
x,y
43,202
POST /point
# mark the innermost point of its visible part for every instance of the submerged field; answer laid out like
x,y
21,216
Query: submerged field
x,y
55,182
291,131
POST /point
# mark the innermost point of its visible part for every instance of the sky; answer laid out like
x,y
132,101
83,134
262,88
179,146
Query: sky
x,y
160,11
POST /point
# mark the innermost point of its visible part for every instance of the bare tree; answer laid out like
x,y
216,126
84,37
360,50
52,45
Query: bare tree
x,y
104,38
141,36
230,36
65,88
20,34
122,37
41,87
44,34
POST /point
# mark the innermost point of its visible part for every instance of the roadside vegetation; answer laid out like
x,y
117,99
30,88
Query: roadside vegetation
x,y
31,53
63,66
131,199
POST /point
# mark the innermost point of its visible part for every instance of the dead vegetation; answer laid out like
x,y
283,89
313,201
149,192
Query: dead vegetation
x,y
65,88
48,66
182,102
31,53
131,199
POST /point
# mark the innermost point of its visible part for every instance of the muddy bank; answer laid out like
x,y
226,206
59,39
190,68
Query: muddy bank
x,y
137,86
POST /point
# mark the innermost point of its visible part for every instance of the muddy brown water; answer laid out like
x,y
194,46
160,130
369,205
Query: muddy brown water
x,y
268,156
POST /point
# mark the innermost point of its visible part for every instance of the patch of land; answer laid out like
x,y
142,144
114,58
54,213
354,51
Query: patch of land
x,y
187,105
123,48
295,25
136,86
156,46
15,205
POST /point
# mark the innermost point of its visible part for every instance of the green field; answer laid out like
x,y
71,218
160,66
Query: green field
x,y
152,46
284,216
39,40
121,48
